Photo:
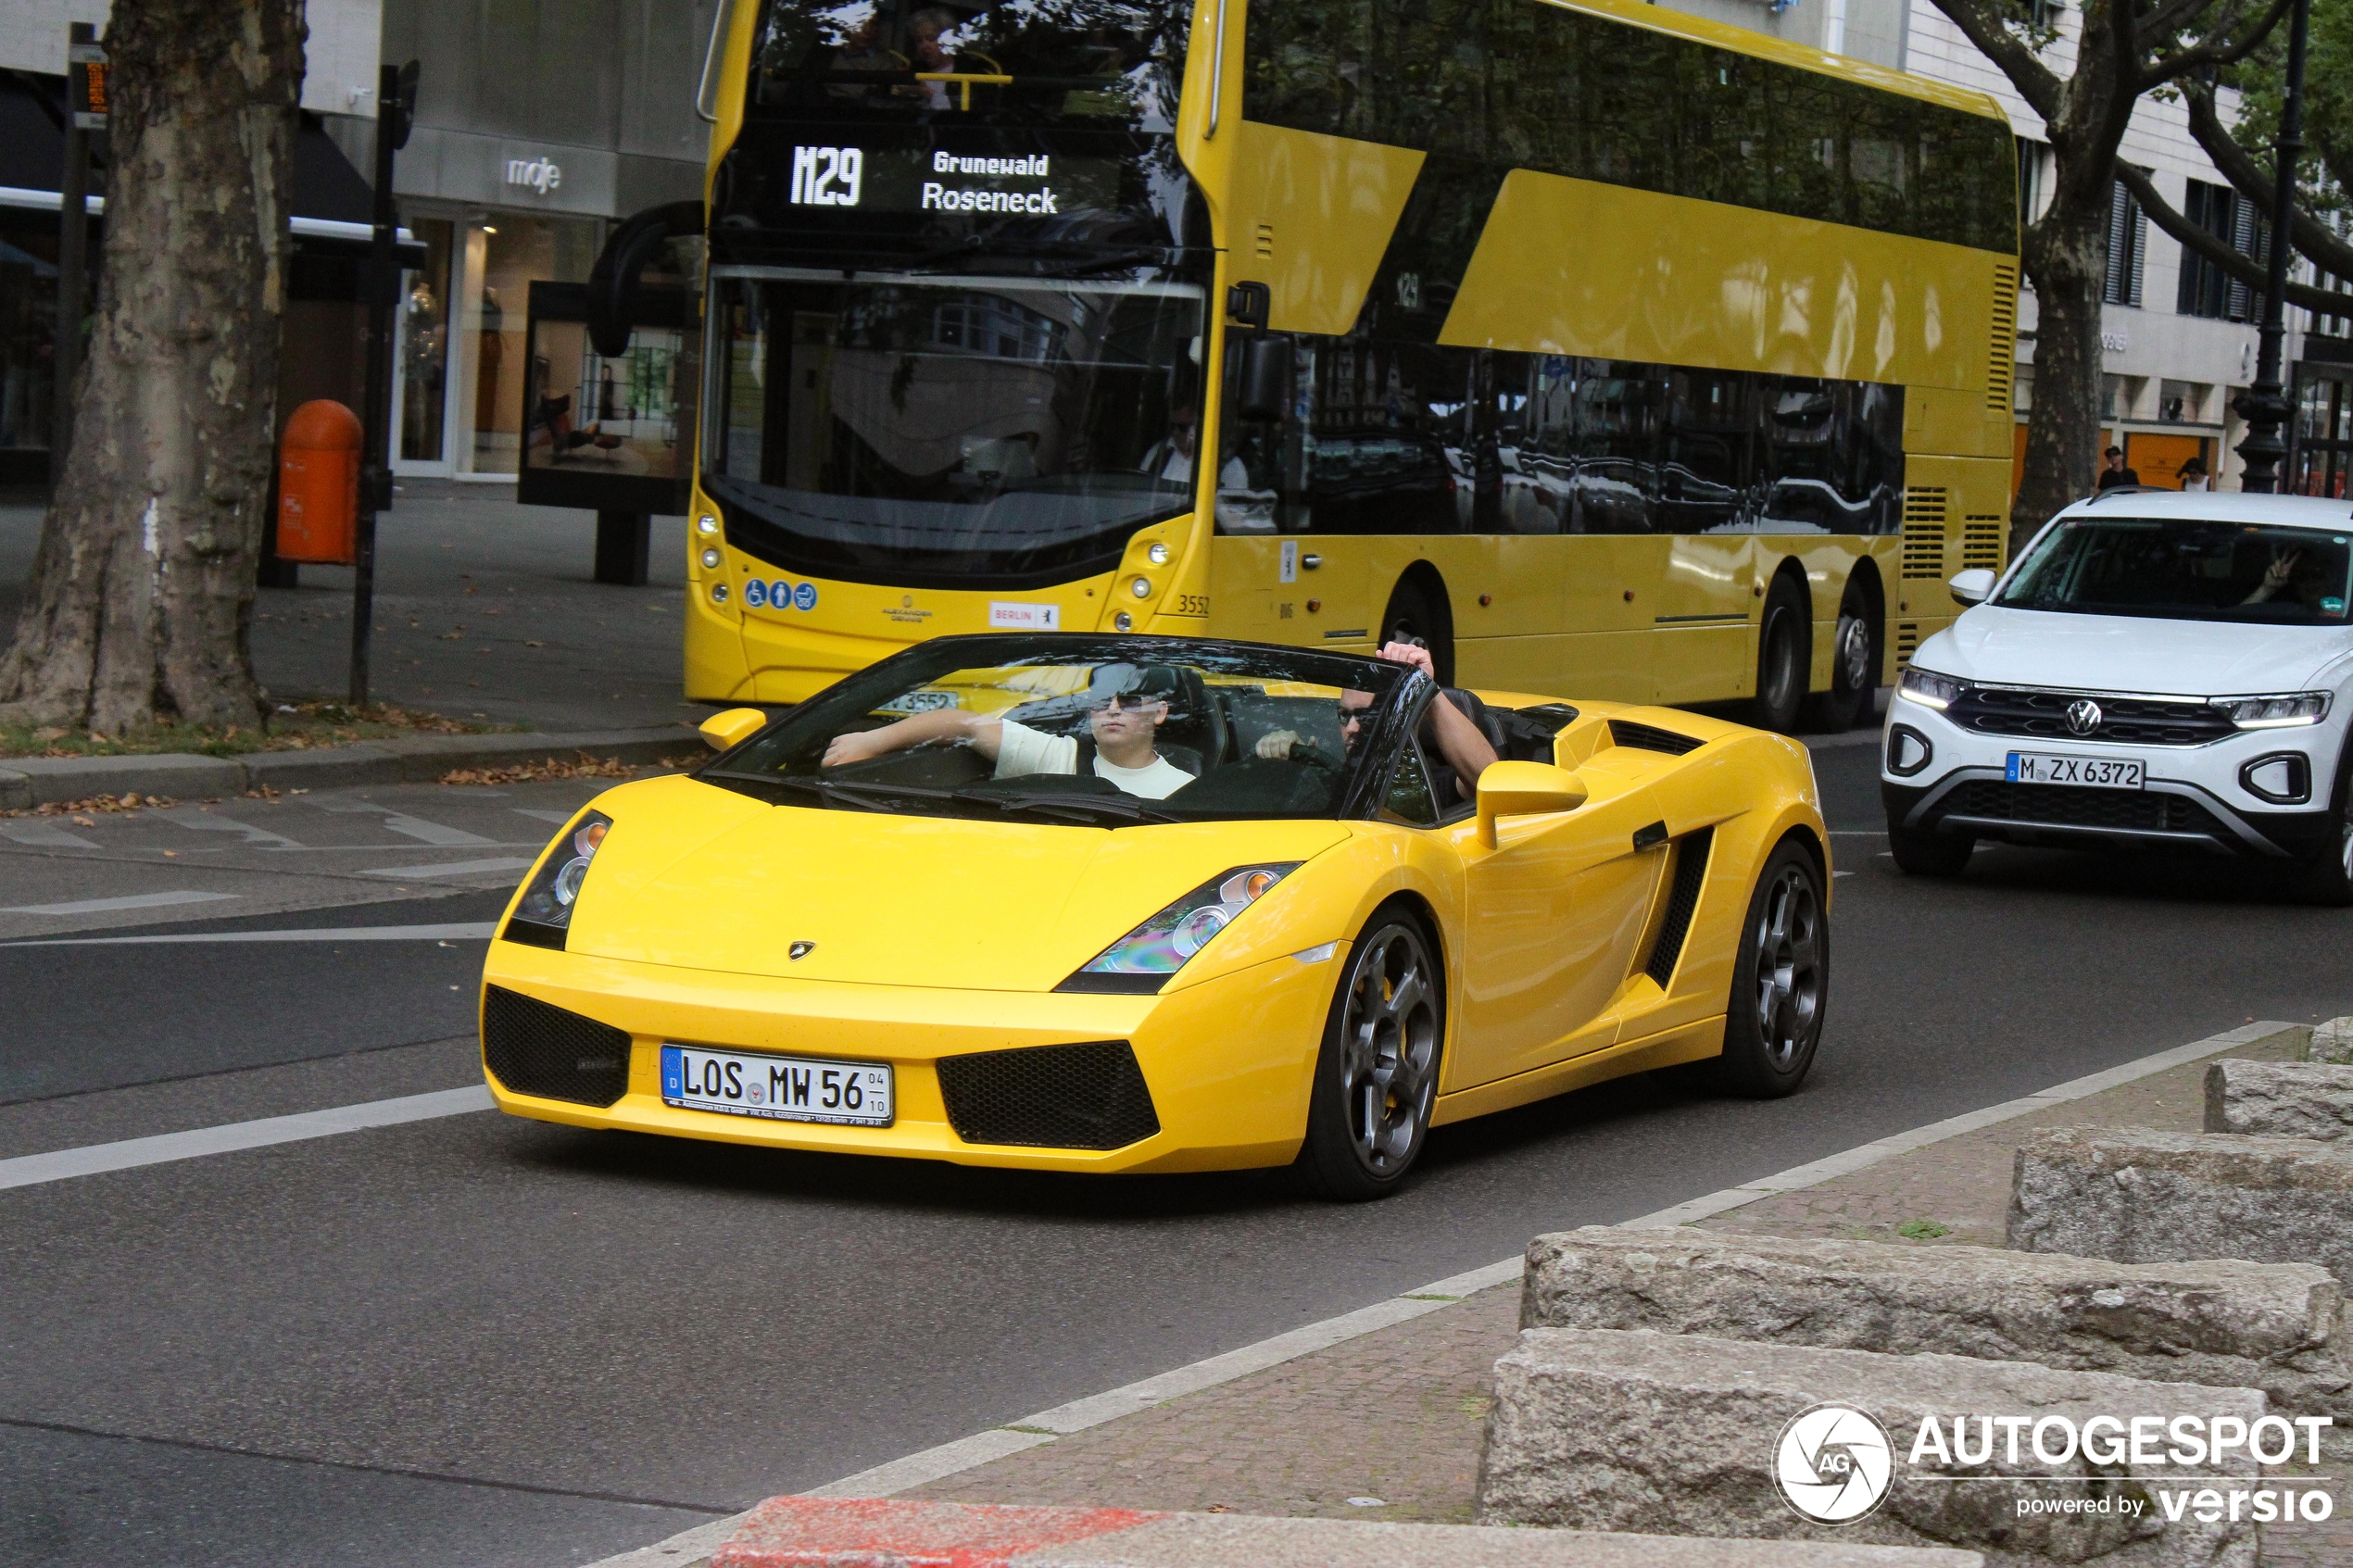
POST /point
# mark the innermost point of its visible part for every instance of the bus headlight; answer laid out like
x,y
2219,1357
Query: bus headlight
x,y
1142,587
710,560
706,525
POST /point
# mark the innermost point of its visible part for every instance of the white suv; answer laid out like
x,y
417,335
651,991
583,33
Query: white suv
x,y
2155,669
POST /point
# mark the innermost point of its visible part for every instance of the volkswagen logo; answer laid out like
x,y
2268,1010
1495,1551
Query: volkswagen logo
x,y
800,950
2082,716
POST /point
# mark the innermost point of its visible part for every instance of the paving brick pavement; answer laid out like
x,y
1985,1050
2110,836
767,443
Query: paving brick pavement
x,y
1396,1414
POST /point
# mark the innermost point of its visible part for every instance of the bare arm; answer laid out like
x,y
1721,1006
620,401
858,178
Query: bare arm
x,y
1465,748
982,733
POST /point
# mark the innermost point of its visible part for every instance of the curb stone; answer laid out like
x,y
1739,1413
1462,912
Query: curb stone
x,y
27,781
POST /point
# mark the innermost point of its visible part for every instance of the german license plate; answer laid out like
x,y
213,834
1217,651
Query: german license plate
x,y
777,1088
2091,772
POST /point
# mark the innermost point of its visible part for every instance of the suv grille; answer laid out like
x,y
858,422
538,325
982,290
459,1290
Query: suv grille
x,y
1089,1096
2062,805
536,1048
2041,715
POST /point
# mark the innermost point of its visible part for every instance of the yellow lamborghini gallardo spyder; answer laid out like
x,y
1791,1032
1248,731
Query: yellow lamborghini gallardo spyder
x,y
1094,903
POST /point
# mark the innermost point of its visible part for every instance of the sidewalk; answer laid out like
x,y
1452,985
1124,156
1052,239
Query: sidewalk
x,y
1396,1414
484,610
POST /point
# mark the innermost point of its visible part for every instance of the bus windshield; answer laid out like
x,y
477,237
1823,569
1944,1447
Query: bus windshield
x,y
958,430
1036,62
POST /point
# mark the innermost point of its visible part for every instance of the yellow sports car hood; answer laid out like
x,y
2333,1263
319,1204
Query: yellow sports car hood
x,y
702,878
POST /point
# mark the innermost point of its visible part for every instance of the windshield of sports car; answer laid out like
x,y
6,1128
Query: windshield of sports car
x,y
1099,732
2187,569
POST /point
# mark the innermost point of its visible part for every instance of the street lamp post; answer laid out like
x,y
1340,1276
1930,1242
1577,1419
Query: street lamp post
x,y
2265,406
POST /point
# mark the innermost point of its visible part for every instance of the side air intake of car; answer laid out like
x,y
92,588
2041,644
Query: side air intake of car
x,y
1089,1096
536,1049
1683,902
1646,737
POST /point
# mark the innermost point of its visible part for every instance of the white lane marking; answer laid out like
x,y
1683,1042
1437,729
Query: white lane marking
x,y
948,1459
455,868
407,826
196,819
31,1170
558,818
43,836
473,931
128,901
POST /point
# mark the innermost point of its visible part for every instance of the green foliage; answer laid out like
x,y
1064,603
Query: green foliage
x,y
1922,1230
2325,174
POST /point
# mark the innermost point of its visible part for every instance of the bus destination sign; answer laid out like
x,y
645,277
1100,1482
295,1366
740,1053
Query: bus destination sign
x,y
912,180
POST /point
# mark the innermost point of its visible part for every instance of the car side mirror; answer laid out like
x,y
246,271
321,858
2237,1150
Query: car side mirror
x,y
1524,789
724,731
1973,586
1266,389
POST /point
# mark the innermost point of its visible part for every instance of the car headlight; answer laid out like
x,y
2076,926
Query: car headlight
x,y
2281,712
1928,688
545,913
1140,962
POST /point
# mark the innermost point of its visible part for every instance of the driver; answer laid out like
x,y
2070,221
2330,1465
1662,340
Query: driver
x,y
1461,752
1126,705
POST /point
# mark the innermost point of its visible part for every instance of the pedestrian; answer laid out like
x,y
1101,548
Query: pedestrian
x,y
2116,473
2194,475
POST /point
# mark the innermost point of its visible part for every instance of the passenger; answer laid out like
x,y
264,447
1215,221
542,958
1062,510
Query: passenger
x,y
1459,751
1126,705
924,31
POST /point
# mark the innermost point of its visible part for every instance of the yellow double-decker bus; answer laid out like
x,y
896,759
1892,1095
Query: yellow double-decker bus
x,y
1605,349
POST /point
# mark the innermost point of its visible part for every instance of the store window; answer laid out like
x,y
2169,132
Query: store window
x,y
27,326
423,363
508,255
2323,436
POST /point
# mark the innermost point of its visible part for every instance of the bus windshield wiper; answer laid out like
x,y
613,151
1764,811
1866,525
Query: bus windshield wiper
x,y
1074,807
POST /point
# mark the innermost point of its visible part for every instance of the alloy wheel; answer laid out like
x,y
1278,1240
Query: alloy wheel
x,y
1389,1049
1789,967
1854,652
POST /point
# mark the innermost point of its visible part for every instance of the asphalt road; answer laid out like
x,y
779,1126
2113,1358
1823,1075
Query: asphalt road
x,y
478,1341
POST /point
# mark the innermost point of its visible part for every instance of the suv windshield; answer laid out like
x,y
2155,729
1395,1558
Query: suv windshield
x,y
2186,569
974,430
1093,731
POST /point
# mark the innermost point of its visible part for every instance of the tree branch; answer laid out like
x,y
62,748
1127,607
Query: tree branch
x,y
2237,263
2217,48
2035,82
2254,182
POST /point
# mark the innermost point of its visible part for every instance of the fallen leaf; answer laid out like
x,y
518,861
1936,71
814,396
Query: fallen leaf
x,y
530,645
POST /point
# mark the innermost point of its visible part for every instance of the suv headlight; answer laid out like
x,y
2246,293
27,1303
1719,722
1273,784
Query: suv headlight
x,y
1140,962
2284,712
545,913
1928,688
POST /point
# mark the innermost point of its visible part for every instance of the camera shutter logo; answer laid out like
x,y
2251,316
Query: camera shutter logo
x,y
1834,1464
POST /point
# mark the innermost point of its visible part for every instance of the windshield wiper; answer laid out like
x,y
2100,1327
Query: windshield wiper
x,y
832,792
1071,806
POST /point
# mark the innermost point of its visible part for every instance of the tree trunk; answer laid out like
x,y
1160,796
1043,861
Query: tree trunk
x,y
142,589
2066,256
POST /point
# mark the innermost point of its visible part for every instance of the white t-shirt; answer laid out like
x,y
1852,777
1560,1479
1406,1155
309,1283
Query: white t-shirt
x,y
1024,750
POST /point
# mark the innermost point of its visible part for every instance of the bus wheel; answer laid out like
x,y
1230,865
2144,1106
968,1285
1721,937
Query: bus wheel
x,y
1854,672
1417,614
1784,658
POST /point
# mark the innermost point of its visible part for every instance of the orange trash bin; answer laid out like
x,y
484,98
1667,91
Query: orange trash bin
x,y
319,484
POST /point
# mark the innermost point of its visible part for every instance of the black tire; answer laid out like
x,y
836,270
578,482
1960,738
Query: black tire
x,y
1417,614
1780,981
1854,665
2328,876
1376,1075
1784,657
1929,854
